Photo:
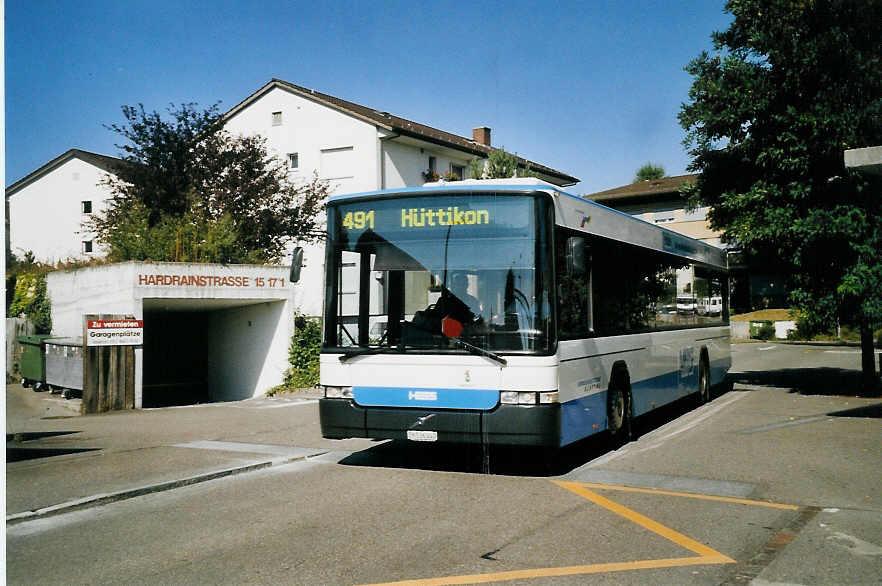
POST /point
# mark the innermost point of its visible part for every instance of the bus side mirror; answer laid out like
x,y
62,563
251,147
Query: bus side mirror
x,y
296,264
577,256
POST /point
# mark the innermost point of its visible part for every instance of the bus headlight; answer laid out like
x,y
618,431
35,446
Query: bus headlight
x,y
508,397
338,392
552,397
528,397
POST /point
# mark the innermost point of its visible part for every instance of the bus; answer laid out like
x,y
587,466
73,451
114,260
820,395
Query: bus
x,y
509,312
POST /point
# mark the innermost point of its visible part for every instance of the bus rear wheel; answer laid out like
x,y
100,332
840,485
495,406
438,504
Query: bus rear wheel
x,y
703,382
619,412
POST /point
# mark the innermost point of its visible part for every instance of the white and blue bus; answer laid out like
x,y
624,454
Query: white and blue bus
x,y
509,312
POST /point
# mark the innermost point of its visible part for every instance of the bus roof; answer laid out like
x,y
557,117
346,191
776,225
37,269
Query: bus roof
x,y
573,212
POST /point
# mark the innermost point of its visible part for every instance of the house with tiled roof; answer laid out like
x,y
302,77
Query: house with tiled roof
x,y
659,201
396,151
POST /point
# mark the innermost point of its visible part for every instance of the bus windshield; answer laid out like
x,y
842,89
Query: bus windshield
x,y
449,272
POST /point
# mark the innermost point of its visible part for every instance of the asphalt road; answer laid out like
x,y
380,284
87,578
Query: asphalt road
x,y
766,485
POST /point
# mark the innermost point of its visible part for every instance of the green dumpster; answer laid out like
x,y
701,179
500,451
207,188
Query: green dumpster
x,y
33,361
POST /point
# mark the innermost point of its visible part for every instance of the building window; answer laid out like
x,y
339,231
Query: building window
x,y
457,171
86,206
277,118
293,161
433,164
87,246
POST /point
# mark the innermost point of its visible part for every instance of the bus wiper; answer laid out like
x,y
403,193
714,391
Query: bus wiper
x,y
478,351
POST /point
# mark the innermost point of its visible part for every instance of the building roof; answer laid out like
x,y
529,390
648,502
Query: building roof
x,y
648,190
395,124
101,161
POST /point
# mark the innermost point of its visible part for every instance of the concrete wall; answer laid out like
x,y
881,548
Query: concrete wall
x,y
249,314
45,216
247,349
102,289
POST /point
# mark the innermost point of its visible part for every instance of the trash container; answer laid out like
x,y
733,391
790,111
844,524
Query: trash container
x,y
33,361
64,366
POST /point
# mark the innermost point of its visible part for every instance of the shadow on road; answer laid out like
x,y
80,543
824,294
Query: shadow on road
x,y
509,460
805,381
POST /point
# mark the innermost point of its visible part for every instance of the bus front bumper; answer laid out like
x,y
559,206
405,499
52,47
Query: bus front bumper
x,y
523,425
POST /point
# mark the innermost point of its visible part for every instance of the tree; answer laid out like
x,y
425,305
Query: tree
x,y
187,190
789,87
649,171
499,164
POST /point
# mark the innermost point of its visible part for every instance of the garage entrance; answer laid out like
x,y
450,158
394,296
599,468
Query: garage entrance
x,y
211,332
206,350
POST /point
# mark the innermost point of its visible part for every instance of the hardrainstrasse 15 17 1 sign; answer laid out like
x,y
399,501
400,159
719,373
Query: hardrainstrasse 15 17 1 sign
x,y
114,332
210,281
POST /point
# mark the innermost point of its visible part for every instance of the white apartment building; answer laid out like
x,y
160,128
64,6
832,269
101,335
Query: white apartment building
x,y
46,208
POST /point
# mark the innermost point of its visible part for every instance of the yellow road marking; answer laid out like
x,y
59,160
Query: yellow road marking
x,y
706,555
645,522
707,497
563,571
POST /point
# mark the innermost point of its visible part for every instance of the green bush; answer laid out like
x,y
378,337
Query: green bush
x,y
304,353
765,331
31,300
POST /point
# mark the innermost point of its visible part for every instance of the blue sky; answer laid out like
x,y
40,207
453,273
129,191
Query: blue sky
x,y
590,88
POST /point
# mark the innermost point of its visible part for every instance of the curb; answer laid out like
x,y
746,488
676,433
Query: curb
x,y
114,497
838,343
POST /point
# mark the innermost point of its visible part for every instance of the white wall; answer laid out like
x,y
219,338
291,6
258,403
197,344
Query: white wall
x,y
45,216
102,289
310,129
247,350
309,292
404,164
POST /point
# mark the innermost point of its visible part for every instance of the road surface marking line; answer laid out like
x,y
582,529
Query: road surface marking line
x,y
562,571
708,497
645,522
706,555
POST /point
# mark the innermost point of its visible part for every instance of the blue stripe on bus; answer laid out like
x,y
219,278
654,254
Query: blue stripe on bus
x,y
587,415
426,397
582,417
648,394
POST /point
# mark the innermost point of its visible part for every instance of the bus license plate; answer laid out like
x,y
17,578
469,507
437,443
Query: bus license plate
x,y
418,435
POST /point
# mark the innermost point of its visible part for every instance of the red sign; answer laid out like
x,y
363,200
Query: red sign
x,y
98,324
114,332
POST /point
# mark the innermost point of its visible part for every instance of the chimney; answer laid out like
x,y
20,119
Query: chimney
x,y
481,135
